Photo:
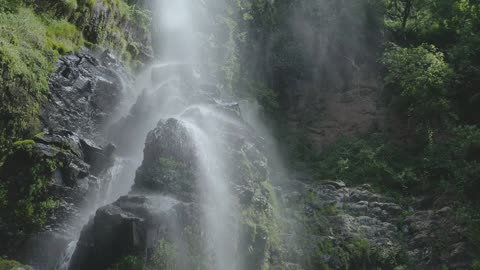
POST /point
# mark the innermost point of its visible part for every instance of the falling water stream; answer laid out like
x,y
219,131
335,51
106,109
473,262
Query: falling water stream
x,y
164,90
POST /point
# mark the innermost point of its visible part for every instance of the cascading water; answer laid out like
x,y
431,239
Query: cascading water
x,y
181,87
64,260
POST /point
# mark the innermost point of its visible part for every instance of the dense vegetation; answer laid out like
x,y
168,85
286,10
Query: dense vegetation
x,y
34,34
430,55
432,70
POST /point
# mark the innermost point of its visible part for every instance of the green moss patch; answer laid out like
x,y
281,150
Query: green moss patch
x,y
29,48
12,265
25,200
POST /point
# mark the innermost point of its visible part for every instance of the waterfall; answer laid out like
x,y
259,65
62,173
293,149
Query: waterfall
x,y
64,260
181,87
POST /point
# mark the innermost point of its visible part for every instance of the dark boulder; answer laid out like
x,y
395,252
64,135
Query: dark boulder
x,y
135,224
169,162
86,92
57,168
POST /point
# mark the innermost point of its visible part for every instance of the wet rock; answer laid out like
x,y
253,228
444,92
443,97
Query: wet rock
x,y
132,225
169,165
171,169
85,93
336,184
346,222
61,161
103,15
436,238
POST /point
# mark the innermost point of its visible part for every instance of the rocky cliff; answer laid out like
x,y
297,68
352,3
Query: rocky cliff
x,y
321,64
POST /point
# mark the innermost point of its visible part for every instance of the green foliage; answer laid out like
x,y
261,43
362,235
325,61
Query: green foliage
x,y
33,34
172,164
3,196
454,162
29,48
64,37
368,160
197,257
129,263
353,254
24,142
419,78
164,256
260,221
476,265
27,204
266,96
12,265
71,4
140,17
449,164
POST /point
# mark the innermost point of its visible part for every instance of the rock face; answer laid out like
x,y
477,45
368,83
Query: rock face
x,y
327,115
169,162
86,92
103,17
437,238
328,78
355,228
133,225
342,227
65,166
70,168
165,206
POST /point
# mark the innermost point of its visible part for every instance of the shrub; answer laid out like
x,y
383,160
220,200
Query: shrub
x,y
371,159
418,79
63,37
25,178
476,265
453,162
129,263
12,265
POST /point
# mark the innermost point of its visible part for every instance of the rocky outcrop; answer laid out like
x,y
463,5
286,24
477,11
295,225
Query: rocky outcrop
x,y
342,227
85,92
169,162
59,167
327,115
104,17
345,227
58,175
135,225
437,238
326,74
159,207
166,204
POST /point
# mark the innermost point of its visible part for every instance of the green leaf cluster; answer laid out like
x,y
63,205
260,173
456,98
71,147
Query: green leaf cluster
x,y
25,200
12,265
418,80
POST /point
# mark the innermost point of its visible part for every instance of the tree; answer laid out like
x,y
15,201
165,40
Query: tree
x,y
420,78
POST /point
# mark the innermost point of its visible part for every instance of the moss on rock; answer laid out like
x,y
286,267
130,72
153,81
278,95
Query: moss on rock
x,y
12,265
34,34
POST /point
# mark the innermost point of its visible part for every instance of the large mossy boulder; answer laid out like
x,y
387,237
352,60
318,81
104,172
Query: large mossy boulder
x,y
169,162
166,205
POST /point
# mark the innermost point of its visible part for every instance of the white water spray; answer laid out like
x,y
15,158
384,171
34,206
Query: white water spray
x,y
169,89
